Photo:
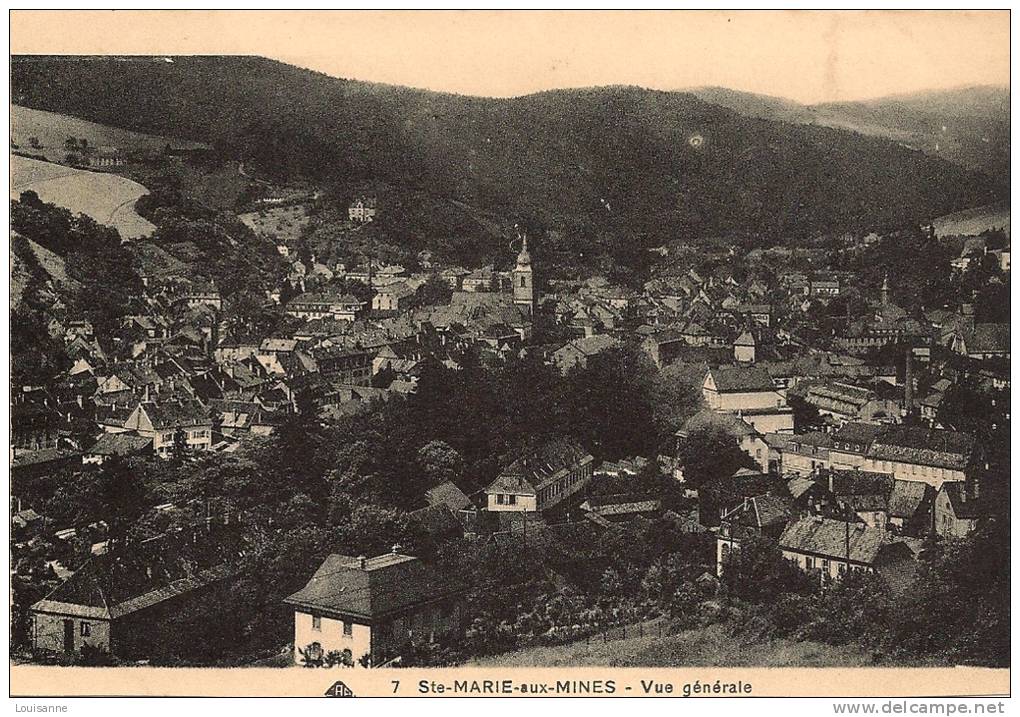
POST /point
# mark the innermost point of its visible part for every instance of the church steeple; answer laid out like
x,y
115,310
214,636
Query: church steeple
x,y
885,290
524,257
524,280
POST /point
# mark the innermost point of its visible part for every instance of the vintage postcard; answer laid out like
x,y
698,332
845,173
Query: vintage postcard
x,y
510,353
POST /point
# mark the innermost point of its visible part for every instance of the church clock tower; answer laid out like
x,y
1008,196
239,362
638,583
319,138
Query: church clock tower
x,y
524,280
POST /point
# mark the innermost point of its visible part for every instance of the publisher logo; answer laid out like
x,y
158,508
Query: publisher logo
x,y
339,689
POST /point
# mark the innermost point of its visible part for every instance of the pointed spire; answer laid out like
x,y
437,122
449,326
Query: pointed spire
x,y
524,257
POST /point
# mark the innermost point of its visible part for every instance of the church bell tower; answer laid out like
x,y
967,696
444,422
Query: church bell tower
x,y
524,280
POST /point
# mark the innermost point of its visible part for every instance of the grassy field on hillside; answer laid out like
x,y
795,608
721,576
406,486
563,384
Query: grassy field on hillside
x,y
972,222
52,129
702,647
107,198
283,224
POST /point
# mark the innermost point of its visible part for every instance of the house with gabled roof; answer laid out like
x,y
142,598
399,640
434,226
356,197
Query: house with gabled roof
x,y
116,445
370,609
744,348
169,420
124,601
830,548
577,352
983,341
362,210
929,455
764,514
541,479
663,345
959,508
447,493
749,392
749,440
910,505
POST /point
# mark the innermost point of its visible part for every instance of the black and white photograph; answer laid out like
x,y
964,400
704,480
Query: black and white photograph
x,y
351,345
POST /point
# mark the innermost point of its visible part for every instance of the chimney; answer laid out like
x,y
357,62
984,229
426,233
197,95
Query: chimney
x,y
361,561
971,489
908,380
395,549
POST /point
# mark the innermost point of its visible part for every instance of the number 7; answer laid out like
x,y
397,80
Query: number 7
x,y
396,685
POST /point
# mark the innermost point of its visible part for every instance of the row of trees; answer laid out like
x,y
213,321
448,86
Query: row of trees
x,y
955,610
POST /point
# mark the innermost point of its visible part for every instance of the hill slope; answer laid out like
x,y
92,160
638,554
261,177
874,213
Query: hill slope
x,y
967,126
50,130
107,198
618,159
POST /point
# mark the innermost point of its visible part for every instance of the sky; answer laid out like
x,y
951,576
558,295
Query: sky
x,y
808,56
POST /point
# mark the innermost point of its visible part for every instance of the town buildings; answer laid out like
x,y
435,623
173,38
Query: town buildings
x,y
362,210
368,609
749,392
541,479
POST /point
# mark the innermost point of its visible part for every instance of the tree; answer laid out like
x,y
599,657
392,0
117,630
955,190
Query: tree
x,y
757,572
854,608
805,415
433,292
610,403
440,463
674,400
710,452
958,607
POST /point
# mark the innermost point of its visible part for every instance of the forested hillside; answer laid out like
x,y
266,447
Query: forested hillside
x,y
652,165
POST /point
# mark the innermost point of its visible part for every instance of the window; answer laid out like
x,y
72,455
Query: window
x,y
348,628
825,565
316,622
809,562
841,568
524,282
512,499
86,629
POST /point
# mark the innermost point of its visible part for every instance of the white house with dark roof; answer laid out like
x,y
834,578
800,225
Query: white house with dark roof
x,y
829,548
325,306
511,493
850,443
541,479
163,422
749,392
744,348
805,454
369,609
928,455
362,210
